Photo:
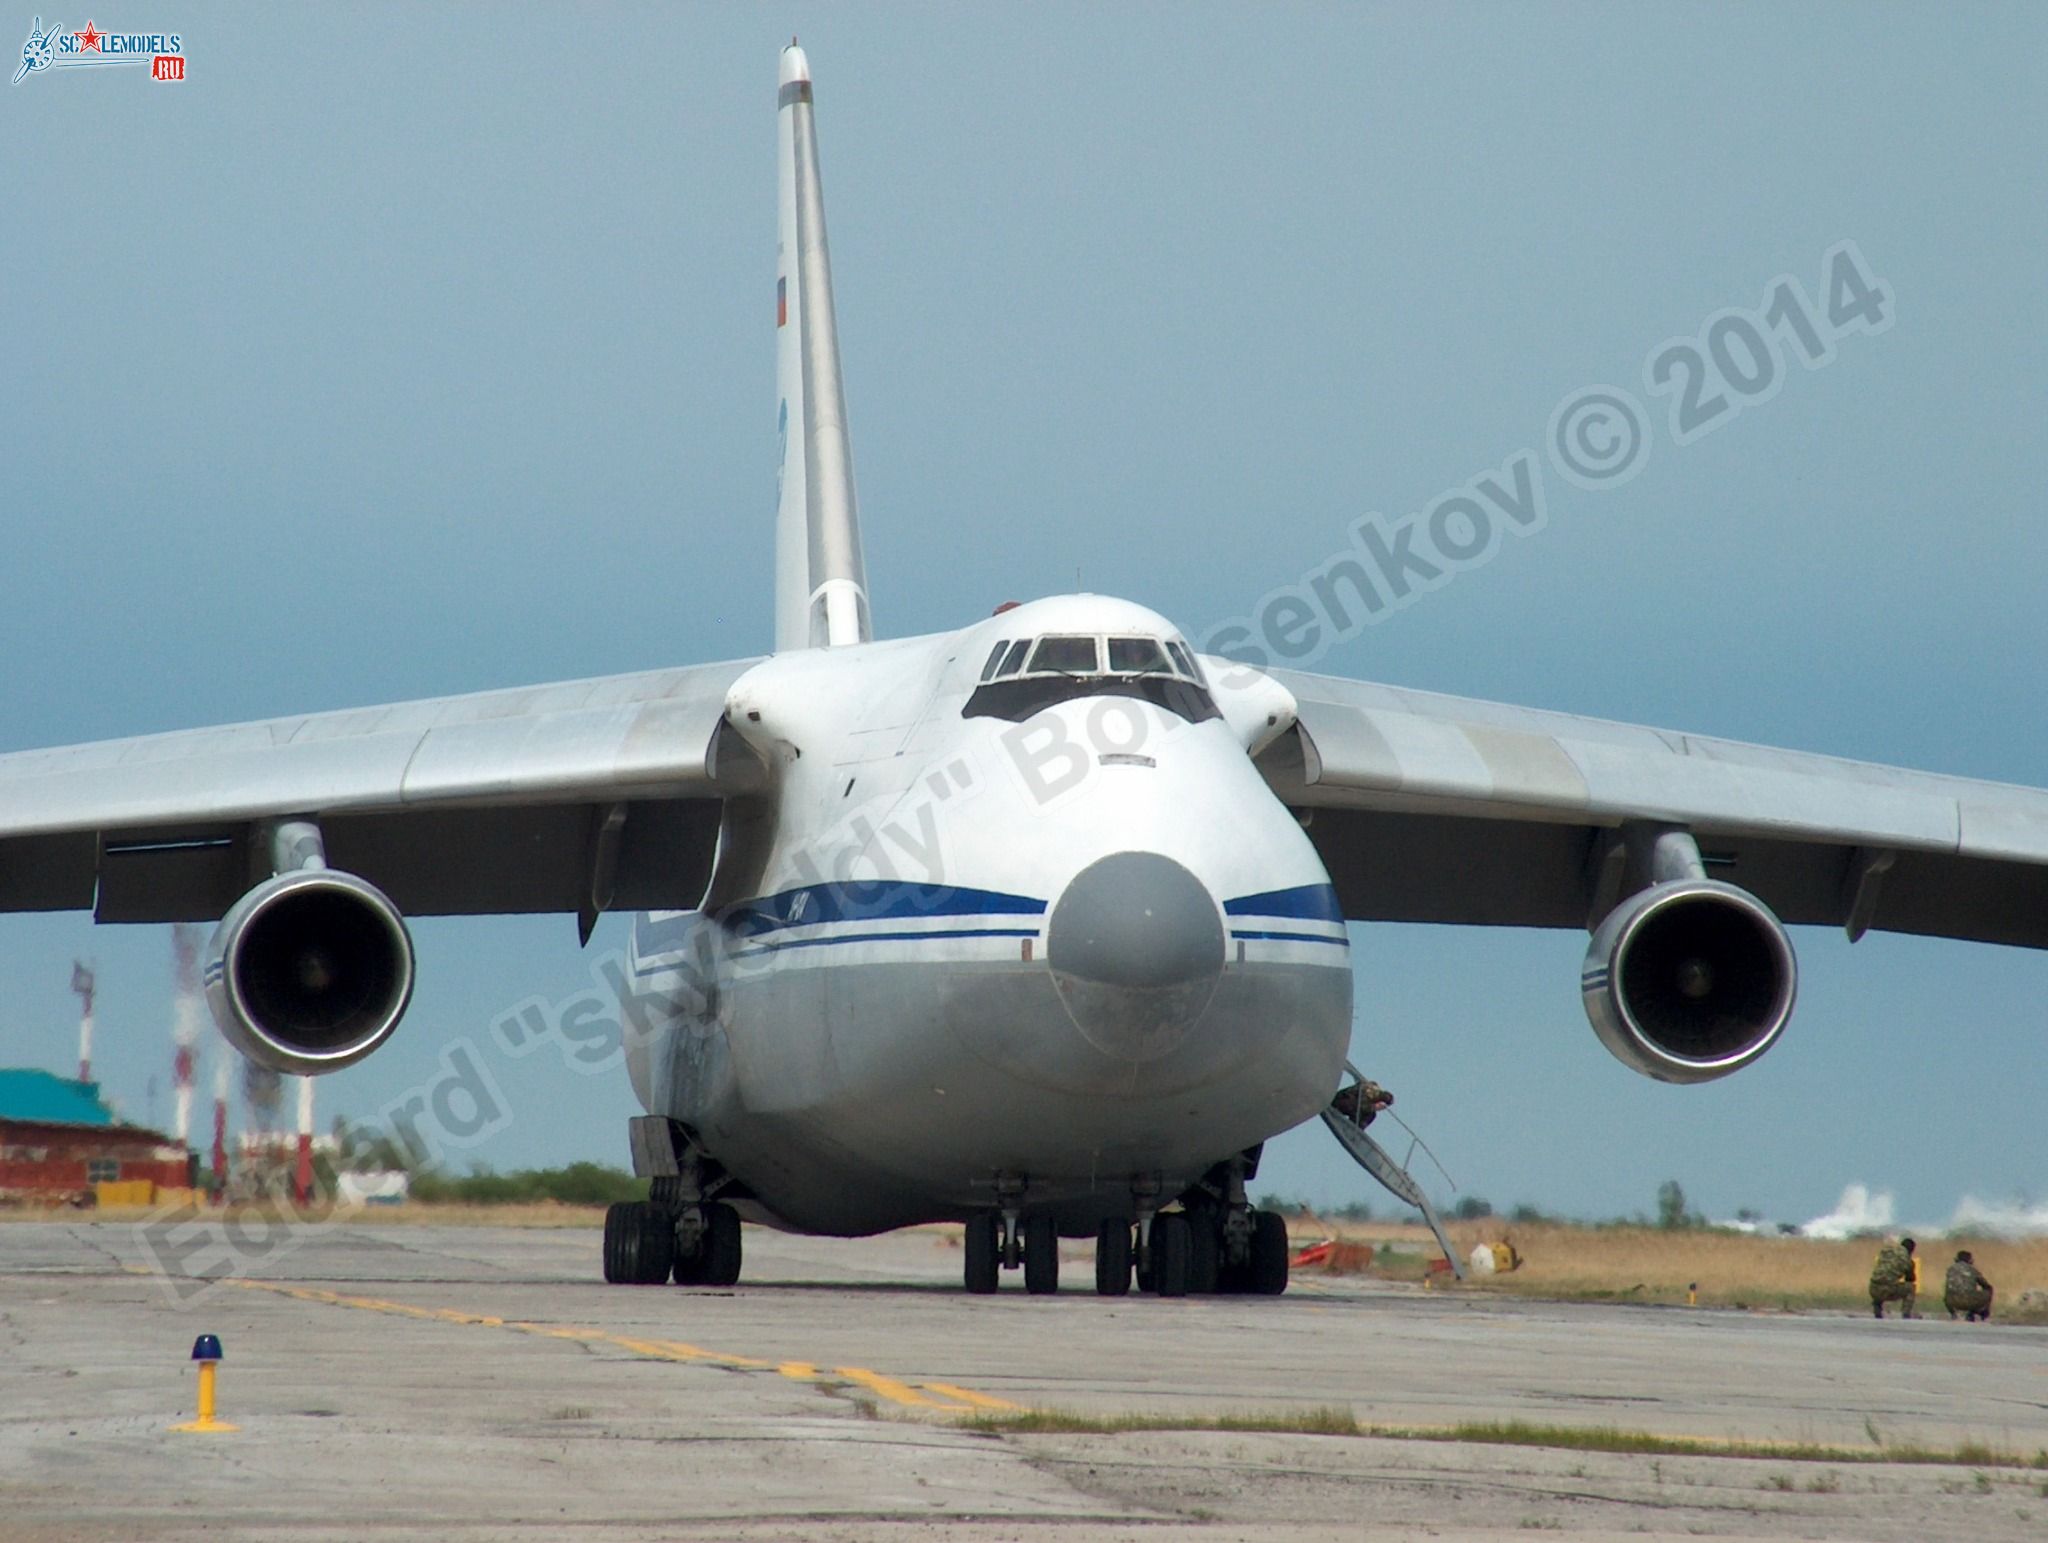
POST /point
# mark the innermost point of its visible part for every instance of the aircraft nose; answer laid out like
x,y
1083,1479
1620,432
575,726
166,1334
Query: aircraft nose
x,y
1136,948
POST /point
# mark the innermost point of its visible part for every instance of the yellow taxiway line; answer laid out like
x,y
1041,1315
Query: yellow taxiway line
x,y
942,1396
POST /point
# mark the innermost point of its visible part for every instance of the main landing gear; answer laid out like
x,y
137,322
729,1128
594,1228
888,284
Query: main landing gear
x,y
644,1245
680,1232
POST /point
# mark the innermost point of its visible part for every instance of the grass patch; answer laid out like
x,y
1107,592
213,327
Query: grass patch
x,y
1327,1420
1644,1264
1330,1420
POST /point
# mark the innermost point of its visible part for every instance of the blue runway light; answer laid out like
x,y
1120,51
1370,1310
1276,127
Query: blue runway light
x,y
206,1348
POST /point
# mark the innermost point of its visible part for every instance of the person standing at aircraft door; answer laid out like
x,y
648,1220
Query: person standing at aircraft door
x,y
1361,1101
1895,1277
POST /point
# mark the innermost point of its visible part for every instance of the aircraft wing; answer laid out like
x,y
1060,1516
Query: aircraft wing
x,y
572,797
1443,809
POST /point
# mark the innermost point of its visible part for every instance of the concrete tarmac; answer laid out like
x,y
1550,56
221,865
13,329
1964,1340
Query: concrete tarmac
x,y
402,1381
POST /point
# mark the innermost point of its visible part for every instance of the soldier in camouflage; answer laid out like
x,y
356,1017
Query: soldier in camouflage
x,y
1894,1278
1966,1291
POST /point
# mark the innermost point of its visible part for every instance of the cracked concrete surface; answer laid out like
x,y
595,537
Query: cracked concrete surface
x,y
472,1383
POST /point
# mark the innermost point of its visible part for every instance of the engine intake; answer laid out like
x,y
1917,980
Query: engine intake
x,y
1690,980
310,971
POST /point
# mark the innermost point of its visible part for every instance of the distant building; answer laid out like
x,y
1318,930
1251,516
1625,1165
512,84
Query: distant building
x,y
58,1141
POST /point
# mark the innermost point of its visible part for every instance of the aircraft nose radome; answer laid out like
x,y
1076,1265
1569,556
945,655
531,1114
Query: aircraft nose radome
x,y
1136,948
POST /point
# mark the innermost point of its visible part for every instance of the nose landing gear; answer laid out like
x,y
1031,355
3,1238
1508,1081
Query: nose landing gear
x,y
1005,1239
1113,1258
1214,1242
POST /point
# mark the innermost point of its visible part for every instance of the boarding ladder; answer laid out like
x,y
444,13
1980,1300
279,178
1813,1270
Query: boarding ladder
x,y
1375,1160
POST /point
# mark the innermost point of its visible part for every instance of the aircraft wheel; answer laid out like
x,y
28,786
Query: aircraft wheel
x,y
621,1243
639,1244
1041,1256
1113,1258
718,1252
1205,1255
688,1269
982,1263
1231,1278
1266,1270
1171,1244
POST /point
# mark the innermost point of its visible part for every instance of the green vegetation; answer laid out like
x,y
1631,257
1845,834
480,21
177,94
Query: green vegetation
x,y
1671,1208
1324,1420
1328,1420
588,1184
366,1148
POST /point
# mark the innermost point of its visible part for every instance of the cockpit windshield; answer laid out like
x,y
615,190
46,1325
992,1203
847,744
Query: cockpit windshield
x,y
1023,676
1136,656
1066,655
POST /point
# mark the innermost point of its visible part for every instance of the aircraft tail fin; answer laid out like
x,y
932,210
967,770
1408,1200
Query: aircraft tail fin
x,y
821,584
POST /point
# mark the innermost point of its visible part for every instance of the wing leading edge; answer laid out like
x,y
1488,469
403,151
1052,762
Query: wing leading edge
x,y
493,802
1445,809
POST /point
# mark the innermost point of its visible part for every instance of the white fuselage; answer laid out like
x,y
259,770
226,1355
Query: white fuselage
x,y
1057,934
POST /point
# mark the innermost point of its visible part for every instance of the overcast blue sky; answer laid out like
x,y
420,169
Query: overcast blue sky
x,y
402,351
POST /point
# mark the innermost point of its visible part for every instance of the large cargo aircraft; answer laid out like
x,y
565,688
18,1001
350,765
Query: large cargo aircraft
x,y
1038,926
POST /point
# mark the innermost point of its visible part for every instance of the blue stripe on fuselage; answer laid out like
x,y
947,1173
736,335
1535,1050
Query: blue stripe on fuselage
x,y
1295,937
814,905
883,900
1305,902
924,935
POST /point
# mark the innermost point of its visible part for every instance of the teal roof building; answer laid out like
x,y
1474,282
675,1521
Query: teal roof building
x,y
47,1099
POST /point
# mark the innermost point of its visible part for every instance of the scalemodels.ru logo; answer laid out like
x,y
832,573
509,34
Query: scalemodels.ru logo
x,y
60,50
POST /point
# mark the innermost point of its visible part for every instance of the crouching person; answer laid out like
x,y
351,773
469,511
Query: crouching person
x,y
1894,1278
1966,1291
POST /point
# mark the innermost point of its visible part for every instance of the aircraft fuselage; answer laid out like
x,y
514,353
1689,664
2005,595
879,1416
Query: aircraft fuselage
x,y
1056,934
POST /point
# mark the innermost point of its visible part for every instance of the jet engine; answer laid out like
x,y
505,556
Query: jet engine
x,y
310,971
1689,980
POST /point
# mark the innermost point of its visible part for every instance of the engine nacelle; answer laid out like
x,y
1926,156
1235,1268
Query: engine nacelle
x,y
310,971
1689,980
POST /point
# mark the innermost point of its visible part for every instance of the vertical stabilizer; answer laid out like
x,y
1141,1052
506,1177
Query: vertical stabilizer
x,y
821,583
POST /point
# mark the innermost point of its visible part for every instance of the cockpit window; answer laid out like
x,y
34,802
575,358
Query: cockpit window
x,y
1030,675
1067,656
1135,656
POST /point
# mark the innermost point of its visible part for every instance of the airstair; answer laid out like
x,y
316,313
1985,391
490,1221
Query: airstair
x,y
1375,1160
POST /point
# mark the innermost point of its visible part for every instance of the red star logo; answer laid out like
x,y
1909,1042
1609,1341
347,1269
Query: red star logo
x,y
89,39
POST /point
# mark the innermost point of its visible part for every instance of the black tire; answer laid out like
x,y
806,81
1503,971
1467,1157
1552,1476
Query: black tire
x,y
982,1264
621,1243
639,1244
1041,1256
719,1249
1266,1270
1113,1258
1205,1255
657,1245
1171,1243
